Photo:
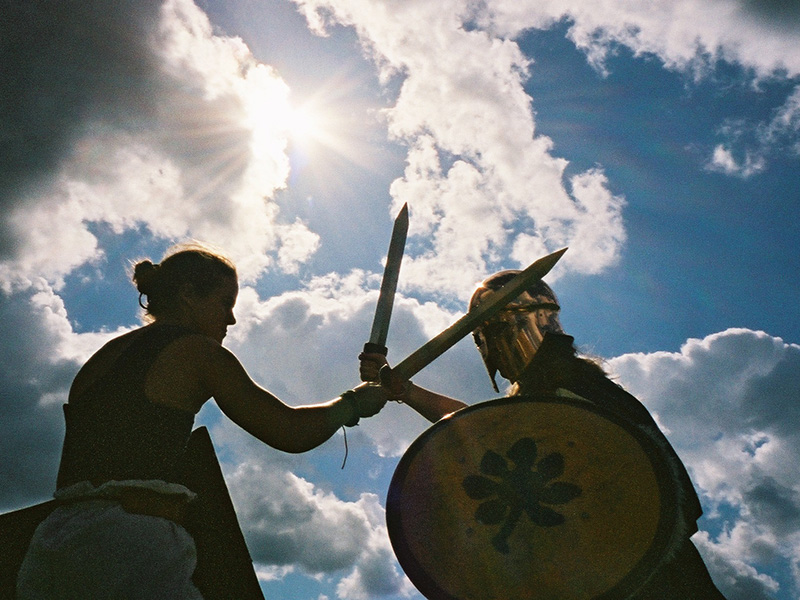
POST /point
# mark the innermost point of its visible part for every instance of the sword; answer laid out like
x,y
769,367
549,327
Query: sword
x,y
383,310
428,352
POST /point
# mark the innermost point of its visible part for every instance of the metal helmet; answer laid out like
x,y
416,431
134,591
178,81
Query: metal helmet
x,y
508,341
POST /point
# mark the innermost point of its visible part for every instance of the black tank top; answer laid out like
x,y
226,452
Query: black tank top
x,y
113,432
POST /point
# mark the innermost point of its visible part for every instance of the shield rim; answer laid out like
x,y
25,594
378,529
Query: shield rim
x,y
669,517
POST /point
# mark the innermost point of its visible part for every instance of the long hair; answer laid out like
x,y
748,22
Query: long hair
x,y
556,365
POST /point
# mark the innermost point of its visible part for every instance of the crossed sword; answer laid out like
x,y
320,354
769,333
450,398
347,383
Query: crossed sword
x,y
428,352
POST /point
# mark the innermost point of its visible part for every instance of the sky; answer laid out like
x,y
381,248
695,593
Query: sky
x,y
659,140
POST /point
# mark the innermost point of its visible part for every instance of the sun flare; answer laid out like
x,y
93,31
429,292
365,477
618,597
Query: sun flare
x,y
318,136
305,124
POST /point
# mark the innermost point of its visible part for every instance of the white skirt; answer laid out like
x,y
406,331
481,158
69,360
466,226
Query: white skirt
x,y
95,549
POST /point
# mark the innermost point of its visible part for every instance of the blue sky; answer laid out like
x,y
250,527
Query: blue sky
x,y
660,141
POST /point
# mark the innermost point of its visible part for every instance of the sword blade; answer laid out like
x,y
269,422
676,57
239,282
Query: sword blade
x,y
428,352
391,272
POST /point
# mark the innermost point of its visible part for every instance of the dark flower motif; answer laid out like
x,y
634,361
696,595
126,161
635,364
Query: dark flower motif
x,y
508,492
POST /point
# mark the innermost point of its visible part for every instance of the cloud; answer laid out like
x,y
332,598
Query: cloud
x,y
729,405
161,123
315,334
755,142
376,573
686,34
479,181
786,119
61,64
290,523
722,160
738,579
296,523
137,115
293,524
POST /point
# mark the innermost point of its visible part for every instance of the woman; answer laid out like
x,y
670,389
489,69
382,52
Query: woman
x,y
131,409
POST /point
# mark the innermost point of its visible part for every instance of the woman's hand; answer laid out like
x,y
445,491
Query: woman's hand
x,y
369,366
369,399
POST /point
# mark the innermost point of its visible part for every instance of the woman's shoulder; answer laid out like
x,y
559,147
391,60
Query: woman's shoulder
x,y
184,373
191,351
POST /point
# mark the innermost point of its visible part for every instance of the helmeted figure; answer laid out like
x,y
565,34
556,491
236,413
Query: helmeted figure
x,y
527,345
543,477
509,341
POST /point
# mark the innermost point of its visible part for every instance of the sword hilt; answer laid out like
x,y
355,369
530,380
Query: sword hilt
x,y
372,348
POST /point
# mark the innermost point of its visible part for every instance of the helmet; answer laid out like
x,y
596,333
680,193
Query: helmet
x,y
508,341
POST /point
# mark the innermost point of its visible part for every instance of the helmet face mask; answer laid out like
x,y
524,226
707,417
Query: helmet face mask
x,y
509,340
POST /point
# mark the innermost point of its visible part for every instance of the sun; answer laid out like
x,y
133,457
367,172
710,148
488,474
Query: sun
x,y
317,134
306,124
325,125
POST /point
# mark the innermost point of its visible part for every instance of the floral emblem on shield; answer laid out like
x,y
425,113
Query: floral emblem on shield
x,y
526,487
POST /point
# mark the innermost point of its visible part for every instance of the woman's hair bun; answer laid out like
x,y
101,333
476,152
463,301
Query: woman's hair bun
x,y
144,276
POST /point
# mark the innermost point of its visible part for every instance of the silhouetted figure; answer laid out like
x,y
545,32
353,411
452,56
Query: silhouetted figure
x,y
526,344
118,530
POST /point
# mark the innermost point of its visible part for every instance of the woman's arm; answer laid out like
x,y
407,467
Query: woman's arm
x,y
287,428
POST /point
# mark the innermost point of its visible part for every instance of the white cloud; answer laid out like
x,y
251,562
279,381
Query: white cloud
x,y
722,160
298,243
289,521
685,34
740,580
482,185
785,124
200,154
689,36
479,181
730,405
376,573
753,143
290,524
787,118
194,143
316,333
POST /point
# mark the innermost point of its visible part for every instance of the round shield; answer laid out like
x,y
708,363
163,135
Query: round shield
x,y
536,498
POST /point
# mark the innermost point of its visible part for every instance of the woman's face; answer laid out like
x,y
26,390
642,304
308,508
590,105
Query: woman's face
x,y
212,314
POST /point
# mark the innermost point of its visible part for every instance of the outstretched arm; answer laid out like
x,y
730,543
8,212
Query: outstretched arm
x,y
431,405
287,428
